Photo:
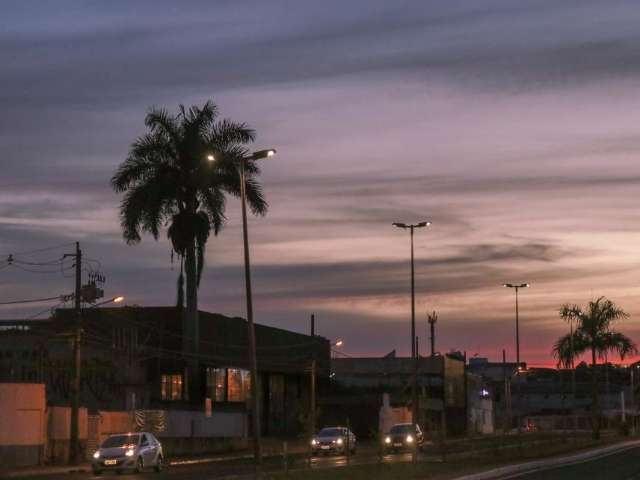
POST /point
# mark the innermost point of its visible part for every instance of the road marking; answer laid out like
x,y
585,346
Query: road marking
x,y
569,464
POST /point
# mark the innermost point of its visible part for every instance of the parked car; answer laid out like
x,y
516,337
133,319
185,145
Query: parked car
x,y
403,436
128,451
333,440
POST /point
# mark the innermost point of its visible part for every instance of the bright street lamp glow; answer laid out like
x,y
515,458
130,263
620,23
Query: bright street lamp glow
x,y
211,158
271,153
118,299
339,343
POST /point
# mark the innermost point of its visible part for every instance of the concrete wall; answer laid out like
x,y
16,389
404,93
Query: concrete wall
x,y
390,416
481,416
22,424
183,424
59,433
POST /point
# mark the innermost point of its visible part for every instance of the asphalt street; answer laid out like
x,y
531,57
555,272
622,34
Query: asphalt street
x,y
217,470
618,466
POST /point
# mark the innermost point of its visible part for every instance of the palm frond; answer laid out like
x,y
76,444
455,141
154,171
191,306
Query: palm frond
x,y
226,134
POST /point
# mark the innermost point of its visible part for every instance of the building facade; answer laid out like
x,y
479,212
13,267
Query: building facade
x,y
133,358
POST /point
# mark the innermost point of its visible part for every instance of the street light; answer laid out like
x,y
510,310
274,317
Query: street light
x,y
517,289
260,154
117,299
414,352
411,228
338,343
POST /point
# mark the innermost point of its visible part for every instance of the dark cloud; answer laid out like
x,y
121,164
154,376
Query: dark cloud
x,y
372,103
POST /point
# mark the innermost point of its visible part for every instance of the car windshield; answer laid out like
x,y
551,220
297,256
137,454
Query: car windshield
x,y
330,432
408,428
121,441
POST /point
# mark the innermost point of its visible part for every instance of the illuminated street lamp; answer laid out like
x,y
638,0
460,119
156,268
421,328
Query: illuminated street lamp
x,y
518,366
117,299
411,228
260,154
517,288
414,352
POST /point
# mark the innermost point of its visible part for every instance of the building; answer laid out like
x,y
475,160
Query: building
x,y
133,358
548,392
363,387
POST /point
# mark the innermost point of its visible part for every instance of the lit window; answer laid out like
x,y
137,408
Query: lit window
x,y
217,384
238,385
234,385
171,387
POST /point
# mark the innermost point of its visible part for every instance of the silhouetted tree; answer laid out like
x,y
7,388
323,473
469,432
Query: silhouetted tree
x,y
167,181
593,333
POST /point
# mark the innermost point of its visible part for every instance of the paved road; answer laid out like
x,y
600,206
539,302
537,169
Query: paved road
x,y
217,470
618,466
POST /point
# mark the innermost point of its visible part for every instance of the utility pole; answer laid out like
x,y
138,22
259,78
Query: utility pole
x,y
414,453
312,420
432,318
573,382
313,325
75,389
507,392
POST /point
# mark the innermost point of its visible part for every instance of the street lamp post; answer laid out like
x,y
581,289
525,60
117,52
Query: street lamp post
x,y
414,353
255,402
411,228
517,289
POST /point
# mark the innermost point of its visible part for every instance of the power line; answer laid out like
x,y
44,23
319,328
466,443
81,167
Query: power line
x,y
35,300
46,249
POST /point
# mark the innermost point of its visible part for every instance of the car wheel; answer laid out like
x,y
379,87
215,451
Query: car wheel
x,y
139,465
158,467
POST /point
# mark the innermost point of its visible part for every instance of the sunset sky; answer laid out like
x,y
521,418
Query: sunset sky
x,y
514,126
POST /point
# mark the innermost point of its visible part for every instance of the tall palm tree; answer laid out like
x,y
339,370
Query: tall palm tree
x,y
593,333
167,181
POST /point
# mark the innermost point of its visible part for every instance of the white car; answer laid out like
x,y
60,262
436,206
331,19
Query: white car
x,y
128,451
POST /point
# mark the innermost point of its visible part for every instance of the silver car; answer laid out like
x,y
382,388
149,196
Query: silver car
x,y
338,440
128,451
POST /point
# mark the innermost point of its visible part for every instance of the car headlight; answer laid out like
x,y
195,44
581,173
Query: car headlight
x,y
129,453
409,439
96,455
387,439
339,441
314,442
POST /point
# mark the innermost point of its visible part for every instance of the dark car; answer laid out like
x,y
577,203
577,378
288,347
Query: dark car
x,y
403,436
333,440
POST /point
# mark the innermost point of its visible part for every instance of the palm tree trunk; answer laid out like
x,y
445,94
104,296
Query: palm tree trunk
x,y
191,337
595,409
